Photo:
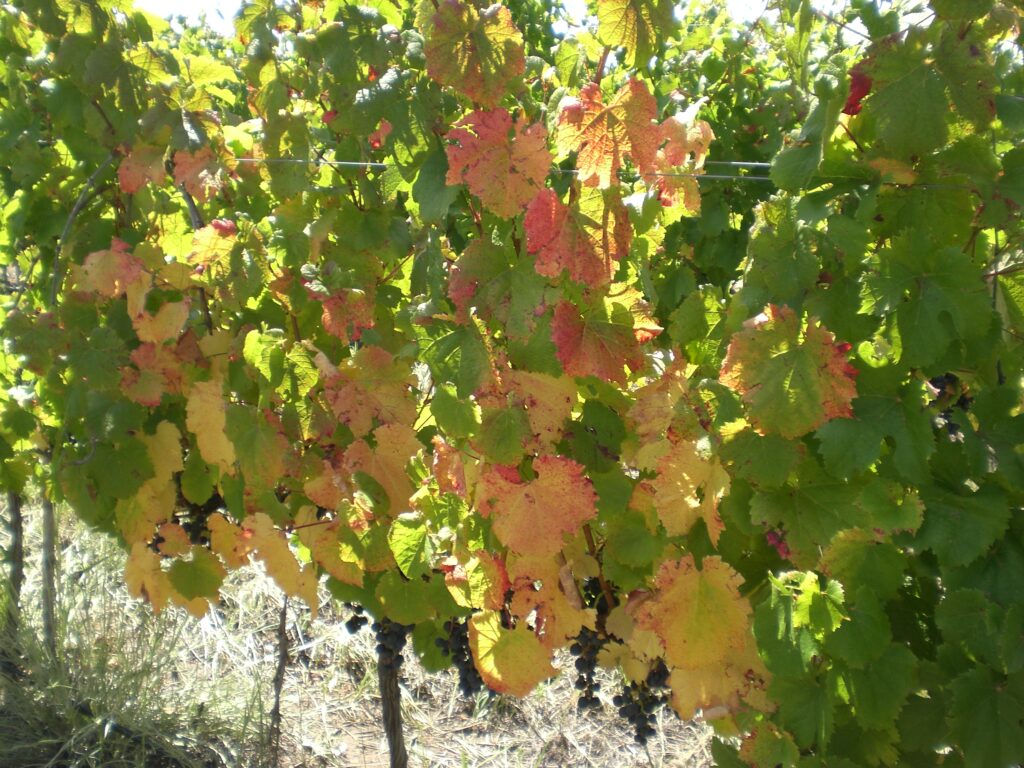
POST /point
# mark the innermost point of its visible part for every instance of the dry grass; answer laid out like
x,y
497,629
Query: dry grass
x,y
197,684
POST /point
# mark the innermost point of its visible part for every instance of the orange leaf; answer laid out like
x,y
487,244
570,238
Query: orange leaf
x,y
586,241
144,164
604,135
200,172
501,163
698,614
533,517
371,385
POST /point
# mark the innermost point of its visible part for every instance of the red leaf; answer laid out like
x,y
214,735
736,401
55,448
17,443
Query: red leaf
x,y
586,241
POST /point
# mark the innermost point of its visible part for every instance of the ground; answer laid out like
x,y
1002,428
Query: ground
x,y
202,689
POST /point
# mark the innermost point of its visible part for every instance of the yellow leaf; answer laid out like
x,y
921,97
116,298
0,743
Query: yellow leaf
x,y
205,417
510,661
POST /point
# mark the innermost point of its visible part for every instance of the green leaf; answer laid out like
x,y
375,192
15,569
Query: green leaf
x,y
879,691
909,104
201,576
764,460
986,715
456,417
196,480
405,601
859,559
960,528
807,708
503,434
430,191
863,636
411,545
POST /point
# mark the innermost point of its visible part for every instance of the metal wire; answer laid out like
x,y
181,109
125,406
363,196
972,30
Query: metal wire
x,y
680,175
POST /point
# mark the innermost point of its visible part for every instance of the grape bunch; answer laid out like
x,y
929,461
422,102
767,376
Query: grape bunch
x,y
586,647
456,648
947,387
639,702
357,620
390,641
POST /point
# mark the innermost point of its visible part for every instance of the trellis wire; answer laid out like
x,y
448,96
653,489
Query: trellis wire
x,y
707,176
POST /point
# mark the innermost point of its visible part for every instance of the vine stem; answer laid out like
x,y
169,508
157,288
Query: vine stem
x,y
592,549
15,555
83,198
391,709
196,218
599,72
282,666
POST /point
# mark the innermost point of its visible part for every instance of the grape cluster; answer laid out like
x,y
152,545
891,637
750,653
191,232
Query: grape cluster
x,y
390,641
586,647
357,620
639,702
456,648
948,386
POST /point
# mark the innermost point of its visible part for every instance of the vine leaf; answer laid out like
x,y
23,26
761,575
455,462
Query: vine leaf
x,y
704,626
478,53
689,486
503,163
142,165
199,172
603,338
370,386
532,517
603,135
586,241
480,582
793,380
206,418
510,661
385,463
636,25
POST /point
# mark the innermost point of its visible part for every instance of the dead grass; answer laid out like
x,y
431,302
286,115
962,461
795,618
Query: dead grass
x,y
211,678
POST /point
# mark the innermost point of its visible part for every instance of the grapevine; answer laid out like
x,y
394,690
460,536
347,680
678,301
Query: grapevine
x,y
691,347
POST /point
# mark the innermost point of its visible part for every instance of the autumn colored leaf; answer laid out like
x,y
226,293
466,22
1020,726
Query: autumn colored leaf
x,y
347,314
164,325
386,463
173,540
142,165
145,578
327,547
666,404
229,541
199,172
371,386
206,418
329,487
586,240
271,547
511,661
679,162
636,25
111,272
792,378
548,401
544,588
533,517
603,338
604,135
479,53
211,245
480,582
447,468
156,369
689,486
698,614
502,163
860,86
